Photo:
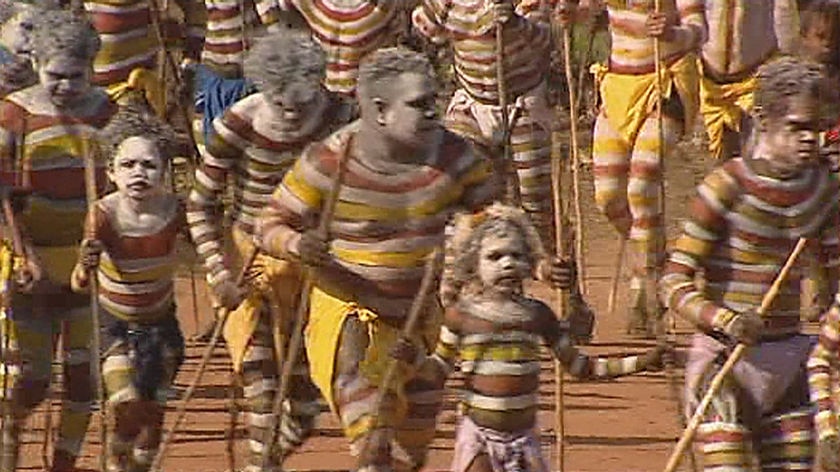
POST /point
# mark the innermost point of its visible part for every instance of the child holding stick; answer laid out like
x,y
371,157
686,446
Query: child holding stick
x,y
496,331
130,244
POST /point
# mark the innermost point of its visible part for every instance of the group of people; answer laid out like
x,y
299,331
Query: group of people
x,y
317,133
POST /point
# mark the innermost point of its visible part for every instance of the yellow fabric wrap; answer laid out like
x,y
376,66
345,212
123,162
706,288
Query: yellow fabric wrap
x,y
275,281
629,99
327,314
722,105
143,81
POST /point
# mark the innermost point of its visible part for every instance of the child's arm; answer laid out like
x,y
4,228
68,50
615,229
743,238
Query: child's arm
x,y
821,363
441,362
89,251
582,366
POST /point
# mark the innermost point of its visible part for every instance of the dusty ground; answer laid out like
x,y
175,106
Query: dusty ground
x,y
625,425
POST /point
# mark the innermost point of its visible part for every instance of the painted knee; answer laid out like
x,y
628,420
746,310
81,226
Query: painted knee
x,y
724,446
787,441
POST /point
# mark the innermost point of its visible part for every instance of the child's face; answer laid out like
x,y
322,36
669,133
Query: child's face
x,y
65,78
793,139
503,262
137,169
819,42
15,34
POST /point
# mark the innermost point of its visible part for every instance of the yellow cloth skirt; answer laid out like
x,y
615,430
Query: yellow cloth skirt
x,y
275,281
327,314
629,99
722,105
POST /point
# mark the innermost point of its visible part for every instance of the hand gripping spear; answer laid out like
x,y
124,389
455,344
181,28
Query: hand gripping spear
x,y
734,357
90,157
296,339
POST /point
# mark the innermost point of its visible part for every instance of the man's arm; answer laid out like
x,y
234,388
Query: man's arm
x,y
295,202
701,234
691,30
225,147
821,363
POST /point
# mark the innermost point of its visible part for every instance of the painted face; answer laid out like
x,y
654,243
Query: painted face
x,y
819,42
15,34
793,139
503,262
298,108
409,117
137,169
66,79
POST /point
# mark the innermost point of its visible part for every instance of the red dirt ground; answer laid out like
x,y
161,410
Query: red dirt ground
x,y
624,425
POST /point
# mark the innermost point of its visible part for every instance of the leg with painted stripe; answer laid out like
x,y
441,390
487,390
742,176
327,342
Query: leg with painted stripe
x,y
78,391
787,441
531,149
647,224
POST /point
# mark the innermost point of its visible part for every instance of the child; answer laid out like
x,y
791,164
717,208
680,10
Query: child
x,y
255,142
745,220
135,229
49,126
496,332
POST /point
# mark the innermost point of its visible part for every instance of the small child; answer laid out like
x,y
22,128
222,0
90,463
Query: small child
x,y
135,230
496,331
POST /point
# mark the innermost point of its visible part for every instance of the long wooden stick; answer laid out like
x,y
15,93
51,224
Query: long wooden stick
x,y
93,284
669,320
616,279
301,316
574,144
734,357
507,169
205,360
421,300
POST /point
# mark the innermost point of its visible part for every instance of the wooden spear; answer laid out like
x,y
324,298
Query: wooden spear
x,y
205,360
506,169
738,352
90,157
427,286
302,315
668,318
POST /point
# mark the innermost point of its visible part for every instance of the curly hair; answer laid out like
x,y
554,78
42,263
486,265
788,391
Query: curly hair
x,y
463,246
285,58
60,32
133,121
386,64
782,79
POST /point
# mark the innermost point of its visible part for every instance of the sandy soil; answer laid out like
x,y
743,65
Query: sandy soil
x,y
626,425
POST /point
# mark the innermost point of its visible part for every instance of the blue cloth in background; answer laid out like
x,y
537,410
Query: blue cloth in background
x,y
215,94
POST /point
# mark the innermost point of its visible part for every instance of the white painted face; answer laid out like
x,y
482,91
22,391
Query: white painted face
x,y
409,117
137,169
65,78
503,262
298,109
16,34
